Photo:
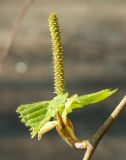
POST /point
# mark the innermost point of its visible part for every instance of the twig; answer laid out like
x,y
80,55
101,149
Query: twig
x,y
13,32
91,144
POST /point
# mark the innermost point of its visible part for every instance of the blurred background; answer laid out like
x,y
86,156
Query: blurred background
x,y
94,49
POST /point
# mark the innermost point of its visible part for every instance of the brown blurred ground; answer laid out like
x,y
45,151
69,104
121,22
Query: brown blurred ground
x,y
94,44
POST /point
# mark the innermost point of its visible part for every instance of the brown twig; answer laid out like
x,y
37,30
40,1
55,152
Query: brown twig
x,y
91,144
13,32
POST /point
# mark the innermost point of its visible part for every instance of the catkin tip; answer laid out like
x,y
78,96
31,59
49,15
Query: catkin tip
x,y
53,14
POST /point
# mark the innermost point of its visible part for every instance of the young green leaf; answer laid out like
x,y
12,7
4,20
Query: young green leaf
x,y
80,101
47,127
32,114
36,115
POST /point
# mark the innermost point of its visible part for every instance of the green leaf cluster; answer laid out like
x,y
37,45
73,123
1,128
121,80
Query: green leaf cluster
x,y
37,116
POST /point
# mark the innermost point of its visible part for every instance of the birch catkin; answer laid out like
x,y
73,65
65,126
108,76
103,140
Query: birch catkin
x,y
57,54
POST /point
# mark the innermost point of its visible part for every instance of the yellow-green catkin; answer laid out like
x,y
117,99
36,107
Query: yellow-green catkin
x,y
57,54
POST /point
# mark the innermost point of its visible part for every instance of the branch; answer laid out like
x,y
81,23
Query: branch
x,y
13,32
91,144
